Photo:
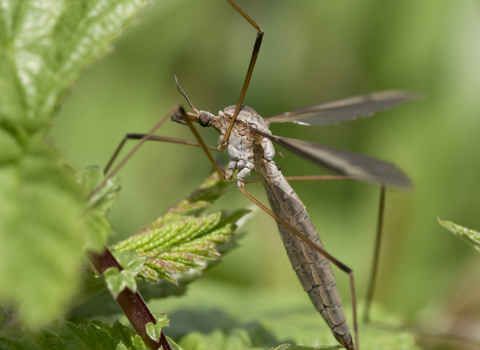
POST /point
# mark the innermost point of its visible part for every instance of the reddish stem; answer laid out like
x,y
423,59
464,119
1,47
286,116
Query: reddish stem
x,y
131,303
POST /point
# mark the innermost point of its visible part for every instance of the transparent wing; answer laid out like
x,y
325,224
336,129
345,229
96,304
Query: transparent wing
x,y
344,162
346,109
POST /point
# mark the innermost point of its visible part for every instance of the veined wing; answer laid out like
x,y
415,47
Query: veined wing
x,y
346,109
352,164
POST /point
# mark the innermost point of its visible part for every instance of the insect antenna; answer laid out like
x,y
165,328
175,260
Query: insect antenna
x,y
184,94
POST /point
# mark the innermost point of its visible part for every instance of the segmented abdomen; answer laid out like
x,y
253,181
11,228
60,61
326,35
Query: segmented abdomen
x,y
312,268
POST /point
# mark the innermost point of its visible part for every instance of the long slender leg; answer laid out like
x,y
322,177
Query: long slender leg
x,y
151,138
177,108
376,256
256,49
336,262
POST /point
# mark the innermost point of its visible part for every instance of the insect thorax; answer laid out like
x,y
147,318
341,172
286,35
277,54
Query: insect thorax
x,y
246,148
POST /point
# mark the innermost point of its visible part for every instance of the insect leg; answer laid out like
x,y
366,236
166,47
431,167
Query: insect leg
x,y
256,49
376,255
177,108
151,138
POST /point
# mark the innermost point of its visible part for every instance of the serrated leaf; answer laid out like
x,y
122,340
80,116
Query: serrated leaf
x,y
472,237
130,262
44,46
176,242
189,257
41,234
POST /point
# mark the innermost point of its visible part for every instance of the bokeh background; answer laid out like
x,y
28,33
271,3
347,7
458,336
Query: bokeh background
x,y
314,51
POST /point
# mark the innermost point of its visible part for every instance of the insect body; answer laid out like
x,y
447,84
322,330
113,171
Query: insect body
x,y
248,141
250,149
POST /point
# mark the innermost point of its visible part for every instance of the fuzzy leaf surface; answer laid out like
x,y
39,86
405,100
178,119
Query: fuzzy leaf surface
x,y
182,239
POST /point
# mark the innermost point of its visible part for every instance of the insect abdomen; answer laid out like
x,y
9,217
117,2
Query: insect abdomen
x,y
312,268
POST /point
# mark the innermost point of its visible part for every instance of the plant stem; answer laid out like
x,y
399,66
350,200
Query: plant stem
x,y
131,303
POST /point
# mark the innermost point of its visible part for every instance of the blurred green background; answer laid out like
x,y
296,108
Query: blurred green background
x,y
314,51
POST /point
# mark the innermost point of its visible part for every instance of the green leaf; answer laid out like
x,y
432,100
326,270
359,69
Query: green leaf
x,y
42,235
472,237
155,330
180,241
177,242
130,262
219,315
44,47
161,319
173,345
119,280
80,336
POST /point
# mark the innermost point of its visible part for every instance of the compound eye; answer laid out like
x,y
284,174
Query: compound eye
x,y
204,120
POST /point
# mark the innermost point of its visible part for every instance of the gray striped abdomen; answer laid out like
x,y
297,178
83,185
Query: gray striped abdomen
x,y
312,268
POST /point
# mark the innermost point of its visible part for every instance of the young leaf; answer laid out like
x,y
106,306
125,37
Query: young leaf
x,y
119,280
472,237
176,242
155,330
181,240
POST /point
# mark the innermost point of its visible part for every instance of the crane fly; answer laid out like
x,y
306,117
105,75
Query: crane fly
x,y
246,137
250,149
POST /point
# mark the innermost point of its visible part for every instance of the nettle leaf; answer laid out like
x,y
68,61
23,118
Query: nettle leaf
x,y
178,242
41,233
472,237
77,336
44,47
191,243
